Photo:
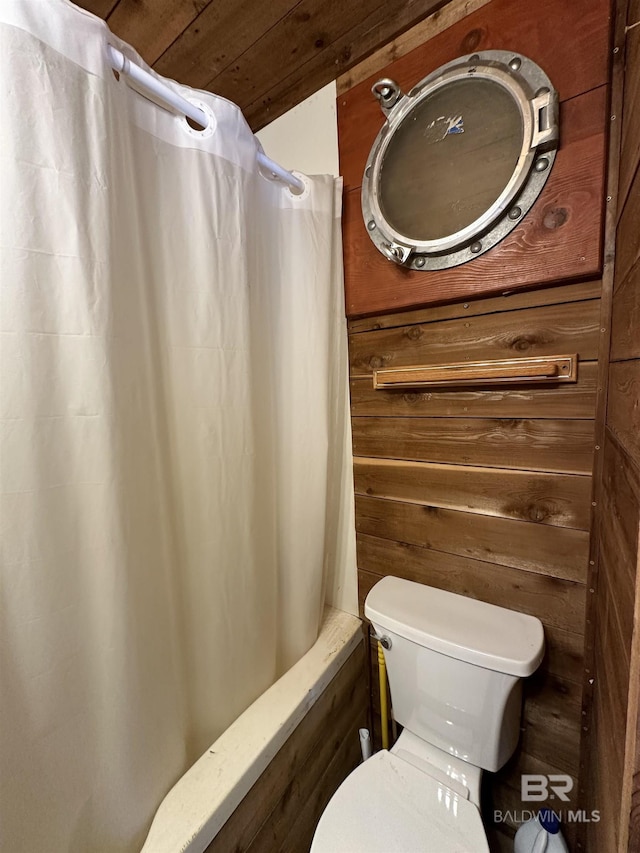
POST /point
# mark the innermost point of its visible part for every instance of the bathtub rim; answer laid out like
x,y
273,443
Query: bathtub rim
x,y
197,807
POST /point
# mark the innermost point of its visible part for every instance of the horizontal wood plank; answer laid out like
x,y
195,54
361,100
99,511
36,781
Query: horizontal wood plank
x,y
560,238
530,332
571,401
559,499
551,295
556,602
565,446
561,552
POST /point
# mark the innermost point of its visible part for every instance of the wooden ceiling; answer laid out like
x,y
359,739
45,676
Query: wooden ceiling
x,y
265,55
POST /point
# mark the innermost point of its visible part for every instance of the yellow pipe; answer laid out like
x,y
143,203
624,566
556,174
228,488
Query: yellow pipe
x,y
384,713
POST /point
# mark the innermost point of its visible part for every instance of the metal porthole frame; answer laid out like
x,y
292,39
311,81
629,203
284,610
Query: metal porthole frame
x,y
537,102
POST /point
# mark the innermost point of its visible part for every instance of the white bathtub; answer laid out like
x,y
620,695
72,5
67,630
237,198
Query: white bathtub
x,y
197,806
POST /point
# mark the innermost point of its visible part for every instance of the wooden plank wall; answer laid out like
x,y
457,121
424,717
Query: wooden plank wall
x,y
281,811
612,747
487,492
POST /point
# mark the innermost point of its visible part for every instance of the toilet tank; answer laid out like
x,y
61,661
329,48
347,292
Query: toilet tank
x,y
455,667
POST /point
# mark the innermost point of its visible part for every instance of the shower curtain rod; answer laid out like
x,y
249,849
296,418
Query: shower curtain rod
x,y
148,84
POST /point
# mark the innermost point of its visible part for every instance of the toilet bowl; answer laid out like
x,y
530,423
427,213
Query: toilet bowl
x,y
455,669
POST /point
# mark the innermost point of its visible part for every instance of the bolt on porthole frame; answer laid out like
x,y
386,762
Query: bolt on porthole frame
x,y
536,102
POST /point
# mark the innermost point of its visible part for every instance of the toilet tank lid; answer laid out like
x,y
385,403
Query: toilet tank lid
x,y
460,627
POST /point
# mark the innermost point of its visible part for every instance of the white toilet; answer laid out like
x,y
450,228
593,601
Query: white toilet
x,y
455,670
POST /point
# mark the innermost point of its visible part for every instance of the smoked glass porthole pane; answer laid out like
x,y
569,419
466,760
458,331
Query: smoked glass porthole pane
x,y
450,159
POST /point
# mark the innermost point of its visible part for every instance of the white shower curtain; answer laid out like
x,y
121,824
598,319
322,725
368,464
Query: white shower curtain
x,y
173,421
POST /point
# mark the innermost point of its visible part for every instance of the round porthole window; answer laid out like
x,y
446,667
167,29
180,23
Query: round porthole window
x,y
460,159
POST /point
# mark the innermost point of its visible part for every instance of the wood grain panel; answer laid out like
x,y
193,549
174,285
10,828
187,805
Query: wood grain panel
x,y
630,153
623,408
328,34
562,552
572,401
101,8
443,18
542,498
222,32
344,761
565,446
557,602
302,787
625,321
533,331
151,27
628,235
552,295
560,238
552,725
620,518
319,752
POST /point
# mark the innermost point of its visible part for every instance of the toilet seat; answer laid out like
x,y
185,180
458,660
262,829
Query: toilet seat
x,y
389,806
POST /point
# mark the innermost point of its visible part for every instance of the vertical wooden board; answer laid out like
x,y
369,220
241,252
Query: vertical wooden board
x,y
628,234
574,65
623,408
630,152
612,677
620,513
625,320
634,813
555,602
542,498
